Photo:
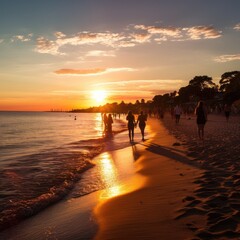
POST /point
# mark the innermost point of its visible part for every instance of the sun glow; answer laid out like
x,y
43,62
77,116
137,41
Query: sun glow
x,y
99,96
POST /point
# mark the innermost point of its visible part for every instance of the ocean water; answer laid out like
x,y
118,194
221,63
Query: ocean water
x,y
43,155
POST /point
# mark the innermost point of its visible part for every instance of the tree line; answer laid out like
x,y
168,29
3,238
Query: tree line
x,y
198,88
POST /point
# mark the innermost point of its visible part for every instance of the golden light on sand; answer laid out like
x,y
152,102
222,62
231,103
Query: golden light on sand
x,y
99,96
109,177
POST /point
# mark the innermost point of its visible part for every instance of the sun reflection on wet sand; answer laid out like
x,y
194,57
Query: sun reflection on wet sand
x,y
109,175
118,177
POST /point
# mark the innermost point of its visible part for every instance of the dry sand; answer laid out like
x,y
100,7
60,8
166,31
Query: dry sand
x,y
217,196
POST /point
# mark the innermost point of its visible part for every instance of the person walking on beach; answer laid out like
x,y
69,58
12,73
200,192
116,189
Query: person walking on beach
x,y
227,110
201,113
131,124
142,118
177,113
109,124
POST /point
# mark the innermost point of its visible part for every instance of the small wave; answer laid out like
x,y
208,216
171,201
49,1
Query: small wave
x,y
31,183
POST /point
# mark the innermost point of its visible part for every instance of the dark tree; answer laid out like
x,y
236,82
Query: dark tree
x,y
202,82
230,81
230,86
200,87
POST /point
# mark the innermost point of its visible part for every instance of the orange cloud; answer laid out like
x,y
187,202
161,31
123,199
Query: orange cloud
x,y
80,71
91,71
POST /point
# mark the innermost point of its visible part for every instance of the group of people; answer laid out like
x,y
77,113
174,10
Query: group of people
x,y
132,124
200,112
108,121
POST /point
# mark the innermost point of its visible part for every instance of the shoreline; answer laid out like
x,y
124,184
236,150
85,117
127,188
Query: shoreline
x,y
164,188
149,181
33,182
56,221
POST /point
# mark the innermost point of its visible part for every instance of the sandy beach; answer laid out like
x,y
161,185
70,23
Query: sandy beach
x,y
172,186
217,196
151,211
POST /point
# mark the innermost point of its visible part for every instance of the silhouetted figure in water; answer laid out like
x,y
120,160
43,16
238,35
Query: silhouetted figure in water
x,y
109,124
227,110
131,124
75,118
105,121
142,118
201,113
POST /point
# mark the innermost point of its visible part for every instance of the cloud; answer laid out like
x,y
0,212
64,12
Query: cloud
x,y
88,38
68,92
47,46
179,34
80,71
148,85
227,58
1,41
100,53
59,35
107,39
202,32
140,38
22,38
165,31
94,71
237,27
134,35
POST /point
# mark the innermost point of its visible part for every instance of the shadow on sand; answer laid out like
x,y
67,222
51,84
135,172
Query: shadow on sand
x,y
173,153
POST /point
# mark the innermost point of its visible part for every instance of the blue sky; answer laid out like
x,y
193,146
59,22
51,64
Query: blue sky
x,y
56,53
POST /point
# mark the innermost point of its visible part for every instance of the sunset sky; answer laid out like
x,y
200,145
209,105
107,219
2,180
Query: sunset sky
x,y
65,54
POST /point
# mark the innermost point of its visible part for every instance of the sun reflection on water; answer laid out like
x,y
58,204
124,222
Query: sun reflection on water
x,y
99,124
109,176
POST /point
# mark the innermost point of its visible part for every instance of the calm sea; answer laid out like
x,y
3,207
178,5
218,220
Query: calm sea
x,y
42,156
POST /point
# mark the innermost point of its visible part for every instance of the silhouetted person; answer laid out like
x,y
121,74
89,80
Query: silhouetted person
x,y
201,113
105,121
142,118
109,124
177,113
131,124
227,110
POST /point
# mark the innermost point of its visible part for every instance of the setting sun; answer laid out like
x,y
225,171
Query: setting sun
x,y
99,95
